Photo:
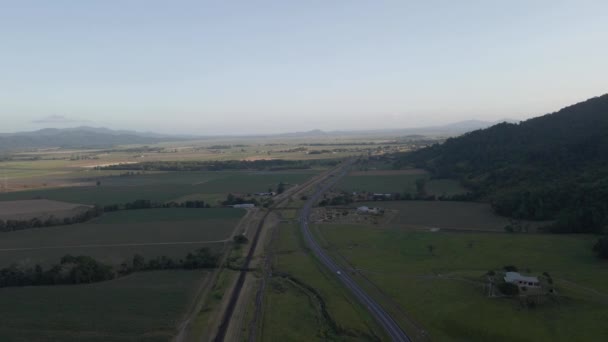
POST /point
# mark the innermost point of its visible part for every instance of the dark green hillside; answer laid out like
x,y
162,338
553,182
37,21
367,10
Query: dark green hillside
x,y
553,166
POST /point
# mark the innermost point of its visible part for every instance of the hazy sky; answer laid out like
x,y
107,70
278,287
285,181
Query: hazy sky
x,y
287,65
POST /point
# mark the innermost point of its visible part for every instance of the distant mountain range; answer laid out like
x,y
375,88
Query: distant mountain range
x,y
100,137
452,129
77,137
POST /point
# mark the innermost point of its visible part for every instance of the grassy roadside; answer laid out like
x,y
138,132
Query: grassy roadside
x,y
304,302
203,326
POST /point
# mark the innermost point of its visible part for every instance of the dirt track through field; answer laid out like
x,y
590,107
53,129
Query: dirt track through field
x,y
113,245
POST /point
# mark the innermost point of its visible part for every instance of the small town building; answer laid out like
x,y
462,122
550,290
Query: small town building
x,y
523,282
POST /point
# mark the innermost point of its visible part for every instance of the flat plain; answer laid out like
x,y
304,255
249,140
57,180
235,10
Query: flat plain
x,y
117,236
163,187
442,215
149,306
143,306
27,209
397,181
443,290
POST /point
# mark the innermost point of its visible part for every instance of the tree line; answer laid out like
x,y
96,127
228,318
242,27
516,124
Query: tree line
x,y
12,225
148,204
96,211
85,269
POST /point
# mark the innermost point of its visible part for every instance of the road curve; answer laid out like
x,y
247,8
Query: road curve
x,y
383,318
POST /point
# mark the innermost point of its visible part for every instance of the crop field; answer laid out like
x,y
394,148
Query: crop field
x,y
144,306
400,181
63,167
304,303
35,174
117,236
446,215
209,215
162,187
25,210
442,291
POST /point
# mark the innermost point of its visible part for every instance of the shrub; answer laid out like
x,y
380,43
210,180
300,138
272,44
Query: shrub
x,y
240,239
508,289
601,247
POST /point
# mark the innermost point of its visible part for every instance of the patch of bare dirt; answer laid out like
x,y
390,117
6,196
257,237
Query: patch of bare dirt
x,y
41,209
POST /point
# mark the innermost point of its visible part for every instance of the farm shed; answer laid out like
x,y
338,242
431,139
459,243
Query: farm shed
x,y
521,281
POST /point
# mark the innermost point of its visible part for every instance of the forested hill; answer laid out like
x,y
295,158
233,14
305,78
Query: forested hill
x,y
550,167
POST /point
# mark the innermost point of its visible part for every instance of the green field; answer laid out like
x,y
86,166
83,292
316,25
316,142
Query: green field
x,y
383,184
144,306
116,236
169,214
398,183
443,291
443,215
294,313
162,187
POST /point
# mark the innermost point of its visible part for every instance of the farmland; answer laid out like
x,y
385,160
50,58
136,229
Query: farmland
x,y
446,215
143,306
162,187
24,210
443,291
400,181
116,236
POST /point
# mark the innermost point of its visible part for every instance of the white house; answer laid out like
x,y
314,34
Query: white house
x,y
521,281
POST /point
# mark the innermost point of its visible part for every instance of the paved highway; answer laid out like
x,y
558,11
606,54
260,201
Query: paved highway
x,y
383,318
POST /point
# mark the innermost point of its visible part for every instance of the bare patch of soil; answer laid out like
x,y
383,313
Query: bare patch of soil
x,y
41,209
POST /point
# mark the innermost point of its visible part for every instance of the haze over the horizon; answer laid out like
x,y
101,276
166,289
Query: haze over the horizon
x,y
238,67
